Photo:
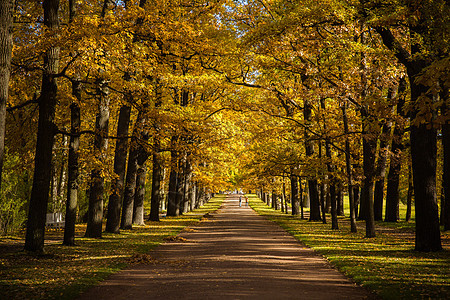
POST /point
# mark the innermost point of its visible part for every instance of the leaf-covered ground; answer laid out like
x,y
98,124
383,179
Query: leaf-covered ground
x,y
386,264
63,272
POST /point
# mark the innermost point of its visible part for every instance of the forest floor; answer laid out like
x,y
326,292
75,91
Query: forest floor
x,y
386,264
236,254
65,271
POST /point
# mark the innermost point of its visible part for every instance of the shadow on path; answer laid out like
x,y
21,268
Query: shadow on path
x,y
236,254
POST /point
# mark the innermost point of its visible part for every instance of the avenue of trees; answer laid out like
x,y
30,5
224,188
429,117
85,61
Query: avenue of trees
x,y
109,107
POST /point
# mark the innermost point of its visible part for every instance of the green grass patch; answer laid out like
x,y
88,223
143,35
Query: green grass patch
x,y
387,264
64,272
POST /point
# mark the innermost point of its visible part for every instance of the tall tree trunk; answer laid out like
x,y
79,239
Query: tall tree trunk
x,y
181,184
126,221
274,200
369,146
157,177
295,201
34,239
348,168
300,198
187,185
409,194
445,216
6,43
120,163
72,160
97,185
381,170
312,182
139,195
173,208
73,168
322,185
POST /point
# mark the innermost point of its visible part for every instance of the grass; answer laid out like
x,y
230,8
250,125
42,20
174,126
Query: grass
x,y
387,264
64,272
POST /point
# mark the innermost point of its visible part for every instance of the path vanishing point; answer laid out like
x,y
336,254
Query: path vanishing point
x,y
235,254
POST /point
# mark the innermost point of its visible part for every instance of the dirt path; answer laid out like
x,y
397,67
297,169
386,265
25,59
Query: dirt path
x,y
236,254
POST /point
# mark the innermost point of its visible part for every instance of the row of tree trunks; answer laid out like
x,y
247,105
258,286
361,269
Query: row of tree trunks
x,y
423,139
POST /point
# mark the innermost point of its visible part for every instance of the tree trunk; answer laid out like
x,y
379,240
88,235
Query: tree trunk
x,y
312,183
97,185
120,163
173,208
34,239
348,167
274,200
300,198
369,147
187,185
139,195
157,177
73,168
130,187
340,199
409,194
181,184
445,216
6,44
381,171
322,184
356,195
72,160
295,201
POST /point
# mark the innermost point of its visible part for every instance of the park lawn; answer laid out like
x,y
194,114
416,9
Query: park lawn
x,y
64,272
386,265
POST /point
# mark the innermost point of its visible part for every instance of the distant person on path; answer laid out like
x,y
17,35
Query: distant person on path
x,y
240,201
246,200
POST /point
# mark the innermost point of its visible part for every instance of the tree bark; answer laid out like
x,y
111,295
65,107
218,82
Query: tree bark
x,y
173,208
348,167
6,44
157,177
139,195
34,239
312,183
97,185
181,184
381,171
409,195
73,168
369,146
72,160
445,216
120,163
295,201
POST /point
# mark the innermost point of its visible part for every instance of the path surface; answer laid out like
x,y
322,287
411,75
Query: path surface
x,y
236,254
